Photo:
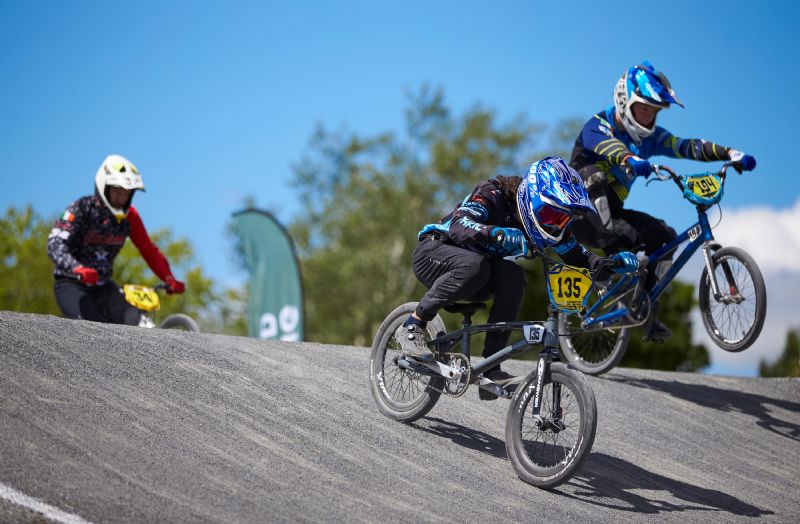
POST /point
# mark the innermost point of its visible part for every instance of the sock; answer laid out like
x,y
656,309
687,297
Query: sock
x,y
412,320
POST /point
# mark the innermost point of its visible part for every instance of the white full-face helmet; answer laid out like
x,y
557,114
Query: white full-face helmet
x,y
117,171
642,84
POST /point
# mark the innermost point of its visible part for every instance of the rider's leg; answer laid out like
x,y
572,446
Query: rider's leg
x,y
595,229
507,285
119,310
451,273
653,233
77,300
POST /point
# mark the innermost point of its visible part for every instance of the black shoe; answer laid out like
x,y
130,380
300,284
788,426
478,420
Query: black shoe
x,y
503,379
657,332
411,338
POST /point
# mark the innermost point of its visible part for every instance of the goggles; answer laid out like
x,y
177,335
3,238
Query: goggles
x,y
552,219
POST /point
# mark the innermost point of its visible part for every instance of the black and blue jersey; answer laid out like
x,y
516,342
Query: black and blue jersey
x,y
605,144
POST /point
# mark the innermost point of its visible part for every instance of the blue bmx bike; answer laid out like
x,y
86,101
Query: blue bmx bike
x,y
732,301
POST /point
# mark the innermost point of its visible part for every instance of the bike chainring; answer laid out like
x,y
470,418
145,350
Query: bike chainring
x,y
639,309
455,387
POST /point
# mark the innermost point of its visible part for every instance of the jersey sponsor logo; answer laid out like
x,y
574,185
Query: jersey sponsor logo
x,y
96,237
58,233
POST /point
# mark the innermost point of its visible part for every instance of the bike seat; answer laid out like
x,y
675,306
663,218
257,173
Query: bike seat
x,y
467,308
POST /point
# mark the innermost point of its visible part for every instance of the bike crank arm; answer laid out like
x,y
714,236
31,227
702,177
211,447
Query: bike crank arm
x,y
429,367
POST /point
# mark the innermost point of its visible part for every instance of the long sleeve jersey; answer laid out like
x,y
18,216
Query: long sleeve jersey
x,y
88,235
606,145
470,224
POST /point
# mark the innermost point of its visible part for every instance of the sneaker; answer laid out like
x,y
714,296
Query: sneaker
x,y
657,332
411,338
502,378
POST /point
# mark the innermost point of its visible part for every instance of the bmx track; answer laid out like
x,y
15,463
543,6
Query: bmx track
x,y
119,424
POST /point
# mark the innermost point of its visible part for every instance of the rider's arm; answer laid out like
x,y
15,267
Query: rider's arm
x,y
60,242
598,137
469,222
150,252
667,144
575,254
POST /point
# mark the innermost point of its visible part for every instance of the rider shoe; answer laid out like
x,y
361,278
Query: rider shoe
x,y
501,378
657,331
411,338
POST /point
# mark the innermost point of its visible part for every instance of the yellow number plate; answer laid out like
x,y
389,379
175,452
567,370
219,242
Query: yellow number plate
x,y
705,186
568,287
141,297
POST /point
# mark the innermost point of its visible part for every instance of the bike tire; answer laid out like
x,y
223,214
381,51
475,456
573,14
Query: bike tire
x,y
546,463
180,321
591,352
750,284
400,394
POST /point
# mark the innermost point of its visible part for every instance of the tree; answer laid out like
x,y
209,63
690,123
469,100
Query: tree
x,y
366,197
788,364
26,282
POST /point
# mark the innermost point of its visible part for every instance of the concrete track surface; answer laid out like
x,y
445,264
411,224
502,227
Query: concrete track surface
x,y
122,424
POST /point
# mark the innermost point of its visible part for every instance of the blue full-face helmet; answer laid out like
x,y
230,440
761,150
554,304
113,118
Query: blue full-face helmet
x,y
642,84
548,197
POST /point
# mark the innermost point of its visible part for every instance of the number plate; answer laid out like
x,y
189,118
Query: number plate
x,y
568,287
141,297
705,186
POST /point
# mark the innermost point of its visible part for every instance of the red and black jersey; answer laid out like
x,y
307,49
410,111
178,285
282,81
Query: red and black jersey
x,y
88,235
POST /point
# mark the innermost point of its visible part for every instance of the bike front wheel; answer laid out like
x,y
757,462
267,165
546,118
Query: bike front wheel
x,y
592,352
735,318
546,451
180,321
401,394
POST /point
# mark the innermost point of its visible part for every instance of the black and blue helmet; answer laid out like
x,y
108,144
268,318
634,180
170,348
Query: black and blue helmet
x,y
548,197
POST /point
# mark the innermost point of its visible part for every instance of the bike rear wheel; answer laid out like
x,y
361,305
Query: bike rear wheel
x,y
546,452
735,320
399,393
591,352
180,321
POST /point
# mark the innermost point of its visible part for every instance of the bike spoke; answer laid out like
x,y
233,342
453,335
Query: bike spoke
x,y
544,446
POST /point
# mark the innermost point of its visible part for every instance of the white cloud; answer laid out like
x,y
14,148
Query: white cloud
x,y
771,236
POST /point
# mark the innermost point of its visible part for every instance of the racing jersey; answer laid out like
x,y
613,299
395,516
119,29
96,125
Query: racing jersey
x,y
87,234
469,225
602,143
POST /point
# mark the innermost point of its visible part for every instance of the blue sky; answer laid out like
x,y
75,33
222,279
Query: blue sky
x,y
216,100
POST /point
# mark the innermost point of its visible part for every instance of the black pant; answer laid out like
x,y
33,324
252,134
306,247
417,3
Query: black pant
x,y
104,303
453,273
631,229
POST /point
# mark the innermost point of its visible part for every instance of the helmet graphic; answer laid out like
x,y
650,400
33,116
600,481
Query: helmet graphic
x,y
548,197
117,171
642,84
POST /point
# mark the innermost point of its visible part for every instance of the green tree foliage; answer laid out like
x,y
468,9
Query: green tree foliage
x,y
788,364
365,198
26,282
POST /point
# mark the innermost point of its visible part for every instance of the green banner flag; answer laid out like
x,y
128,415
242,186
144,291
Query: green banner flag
x,y
275,307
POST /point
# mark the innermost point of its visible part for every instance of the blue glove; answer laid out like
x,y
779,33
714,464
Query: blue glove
x,y
748,161
624,262
639,166
512,239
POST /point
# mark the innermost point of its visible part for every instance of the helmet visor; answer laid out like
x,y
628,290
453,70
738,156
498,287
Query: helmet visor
x,y
552,219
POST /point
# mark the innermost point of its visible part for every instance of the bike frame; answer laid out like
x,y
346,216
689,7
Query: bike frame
x,y
534,334
699,236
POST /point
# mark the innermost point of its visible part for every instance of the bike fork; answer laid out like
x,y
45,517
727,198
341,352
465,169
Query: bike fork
x,y
712,275
552,422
